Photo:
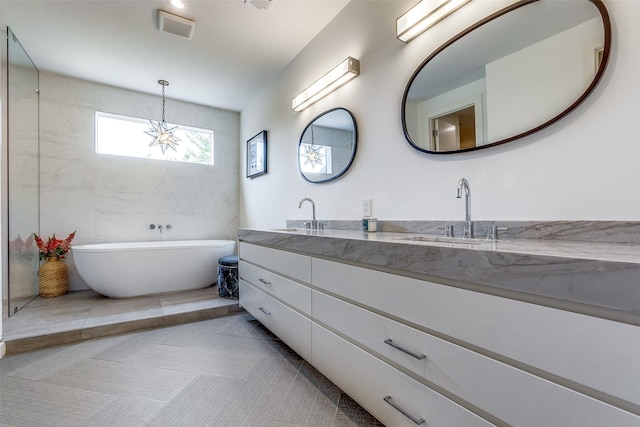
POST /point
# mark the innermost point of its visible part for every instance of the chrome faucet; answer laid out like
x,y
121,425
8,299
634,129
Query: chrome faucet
x,y
314,223
468,224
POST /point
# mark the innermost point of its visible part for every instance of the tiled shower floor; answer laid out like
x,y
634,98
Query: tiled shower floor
x,y
83,315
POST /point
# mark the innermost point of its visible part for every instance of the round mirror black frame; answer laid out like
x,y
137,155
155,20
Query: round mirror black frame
x,y
598,76
353,150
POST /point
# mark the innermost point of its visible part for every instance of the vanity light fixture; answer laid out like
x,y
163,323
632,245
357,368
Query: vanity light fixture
x,y
424,15
345,71
162,135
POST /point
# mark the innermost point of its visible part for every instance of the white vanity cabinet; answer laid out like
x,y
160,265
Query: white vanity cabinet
x,y
411,351
510,394
391,396
591,352
271,292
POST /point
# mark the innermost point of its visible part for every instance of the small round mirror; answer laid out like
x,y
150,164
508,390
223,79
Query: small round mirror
x,y
327,146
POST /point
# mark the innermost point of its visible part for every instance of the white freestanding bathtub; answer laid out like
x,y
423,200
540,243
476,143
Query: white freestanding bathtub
x,y
121,270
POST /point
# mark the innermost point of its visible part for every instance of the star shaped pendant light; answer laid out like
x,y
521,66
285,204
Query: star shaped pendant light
x,y
312,155
162,135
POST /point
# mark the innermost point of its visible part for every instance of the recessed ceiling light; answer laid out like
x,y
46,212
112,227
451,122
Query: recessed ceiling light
x,y
176,3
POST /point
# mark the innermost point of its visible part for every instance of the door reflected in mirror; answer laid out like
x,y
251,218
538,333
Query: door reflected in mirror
x,y
454,131
327,146
511,74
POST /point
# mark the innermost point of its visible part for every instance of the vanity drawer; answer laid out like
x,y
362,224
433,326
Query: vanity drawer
x,y
285,263
285,290
591,351
290,326
368,381
514,396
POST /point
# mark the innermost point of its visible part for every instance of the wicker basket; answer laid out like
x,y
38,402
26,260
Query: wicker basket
x,y
53,278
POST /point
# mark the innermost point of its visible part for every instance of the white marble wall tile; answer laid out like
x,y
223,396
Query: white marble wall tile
x,y
63,210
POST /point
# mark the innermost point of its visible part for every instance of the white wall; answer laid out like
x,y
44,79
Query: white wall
x,y
113,198
568,63
585,167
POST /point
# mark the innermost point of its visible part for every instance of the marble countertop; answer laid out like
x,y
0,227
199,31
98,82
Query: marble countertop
x,y
617,252
595,278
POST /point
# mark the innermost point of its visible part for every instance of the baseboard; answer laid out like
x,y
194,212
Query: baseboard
x,y
3,349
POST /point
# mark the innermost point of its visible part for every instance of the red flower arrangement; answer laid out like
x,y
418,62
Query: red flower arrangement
x,y
54,247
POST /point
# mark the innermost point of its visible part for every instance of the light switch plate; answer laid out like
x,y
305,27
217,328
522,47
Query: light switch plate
x,y
366,207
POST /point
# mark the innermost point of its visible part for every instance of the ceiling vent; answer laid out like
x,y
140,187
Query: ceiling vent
x,y
175,25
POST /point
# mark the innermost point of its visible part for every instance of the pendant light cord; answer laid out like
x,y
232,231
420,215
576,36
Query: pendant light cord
x,y
163,85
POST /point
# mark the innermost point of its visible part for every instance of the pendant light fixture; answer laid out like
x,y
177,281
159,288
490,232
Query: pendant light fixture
x,y
312,153
162,135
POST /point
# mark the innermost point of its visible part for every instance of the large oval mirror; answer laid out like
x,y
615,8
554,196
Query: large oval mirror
x,y
327,146
508,76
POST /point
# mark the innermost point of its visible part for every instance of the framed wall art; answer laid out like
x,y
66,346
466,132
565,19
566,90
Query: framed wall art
x,y
257,155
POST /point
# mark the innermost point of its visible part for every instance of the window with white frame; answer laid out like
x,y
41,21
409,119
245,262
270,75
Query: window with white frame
x,y
125,136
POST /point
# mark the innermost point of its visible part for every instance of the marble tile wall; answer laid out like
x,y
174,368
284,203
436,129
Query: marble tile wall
x,y
113,198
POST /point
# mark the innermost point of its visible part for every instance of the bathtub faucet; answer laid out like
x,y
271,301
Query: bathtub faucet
x,y
160,227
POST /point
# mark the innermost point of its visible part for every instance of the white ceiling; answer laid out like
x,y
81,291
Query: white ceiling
x,y
236,50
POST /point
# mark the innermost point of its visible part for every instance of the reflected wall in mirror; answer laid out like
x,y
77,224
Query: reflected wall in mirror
x,y
508,76
327,146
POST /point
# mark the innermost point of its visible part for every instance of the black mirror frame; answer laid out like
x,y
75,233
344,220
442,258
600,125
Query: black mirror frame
x,y
606,21
353,152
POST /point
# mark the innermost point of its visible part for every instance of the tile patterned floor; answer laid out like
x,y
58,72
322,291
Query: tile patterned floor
x,y
83,315
225,371
228,371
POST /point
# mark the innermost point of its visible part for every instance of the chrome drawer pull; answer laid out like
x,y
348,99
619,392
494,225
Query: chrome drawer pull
x,y
404,350
265,281
403,412
264,311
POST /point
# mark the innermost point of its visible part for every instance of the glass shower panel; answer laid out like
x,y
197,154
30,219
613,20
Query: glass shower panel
x,y
23,174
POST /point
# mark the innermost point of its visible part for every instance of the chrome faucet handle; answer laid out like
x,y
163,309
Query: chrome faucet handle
x,y
492,231
152,226
448,229
468,230
311,225
168,226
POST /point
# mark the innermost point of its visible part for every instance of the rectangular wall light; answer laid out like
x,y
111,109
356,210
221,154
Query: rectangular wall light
x,y
424,15
345,71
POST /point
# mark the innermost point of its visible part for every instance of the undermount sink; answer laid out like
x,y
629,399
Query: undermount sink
x,y
442,239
